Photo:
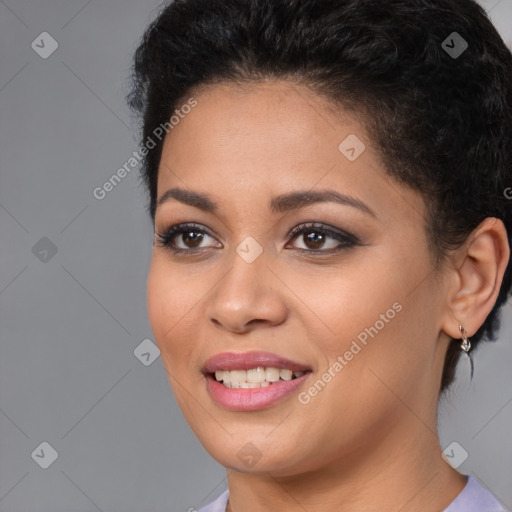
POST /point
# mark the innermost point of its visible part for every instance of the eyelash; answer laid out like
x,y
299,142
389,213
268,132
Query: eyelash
x,y
347,240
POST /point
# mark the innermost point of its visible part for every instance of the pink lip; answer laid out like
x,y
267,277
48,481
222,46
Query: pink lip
x,y
248,360
240,399
252,399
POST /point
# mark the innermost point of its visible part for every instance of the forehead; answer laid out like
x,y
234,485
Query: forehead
x,y
243,144
254,129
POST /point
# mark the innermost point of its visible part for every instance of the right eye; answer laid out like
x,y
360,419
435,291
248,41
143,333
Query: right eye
x,y
189,235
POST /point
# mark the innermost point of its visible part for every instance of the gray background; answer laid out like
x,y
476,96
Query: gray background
x,y
70,324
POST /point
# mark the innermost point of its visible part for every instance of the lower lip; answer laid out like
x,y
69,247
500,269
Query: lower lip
x,y
252,399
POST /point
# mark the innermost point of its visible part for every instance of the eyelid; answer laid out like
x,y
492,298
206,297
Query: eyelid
x,y
343,239
297,230
173,230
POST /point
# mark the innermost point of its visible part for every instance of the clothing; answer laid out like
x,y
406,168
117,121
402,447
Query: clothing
x,y
473,498
219,505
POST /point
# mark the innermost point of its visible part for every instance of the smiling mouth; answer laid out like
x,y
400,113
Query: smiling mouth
x,y
258,377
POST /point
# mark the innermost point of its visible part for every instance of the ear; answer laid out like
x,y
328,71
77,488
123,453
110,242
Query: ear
x,y
477,276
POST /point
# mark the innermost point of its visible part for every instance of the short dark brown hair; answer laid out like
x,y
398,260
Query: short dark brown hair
x,y
442,122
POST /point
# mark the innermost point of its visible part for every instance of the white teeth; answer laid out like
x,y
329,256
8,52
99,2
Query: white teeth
x,y
271,374
285,374
255,377
238,376
256,374
222,375
249,384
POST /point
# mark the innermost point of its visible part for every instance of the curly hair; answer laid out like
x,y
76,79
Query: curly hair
x,y
441,121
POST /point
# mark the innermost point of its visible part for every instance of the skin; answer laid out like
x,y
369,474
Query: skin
x,y
369,439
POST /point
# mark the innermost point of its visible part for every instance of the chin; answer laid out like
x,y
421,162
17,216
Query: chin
x,y
254,454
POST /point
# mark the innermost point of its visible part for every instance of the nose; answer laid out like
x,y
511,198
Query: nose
x,y
247,295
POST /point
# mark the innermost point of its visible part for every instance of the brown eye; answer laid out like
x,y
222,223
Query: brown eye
x,y
319,239
314,239
183,238
192,238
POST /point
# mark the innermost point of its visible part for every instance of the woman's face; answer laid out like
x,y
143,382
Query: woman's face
x,y
361,312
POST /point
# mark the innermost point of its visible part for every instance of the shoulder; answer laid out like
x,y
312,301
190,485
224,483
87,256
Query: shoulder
x,y
475,498
218,505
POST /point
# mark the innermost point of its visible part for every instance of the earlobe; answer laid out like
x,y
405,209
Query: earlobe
x,y
482,262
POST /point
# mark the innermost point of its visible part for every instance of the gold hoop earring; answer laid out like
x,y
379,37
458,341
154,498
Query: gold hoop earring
x,y
465,344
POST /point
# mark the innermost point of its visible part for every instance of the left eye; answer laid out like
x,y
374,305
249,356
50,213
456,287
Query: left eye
x,y
314,238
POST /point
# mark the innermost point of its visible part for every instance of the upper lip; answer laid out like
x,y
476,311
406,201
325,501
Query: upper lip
x,y
248,360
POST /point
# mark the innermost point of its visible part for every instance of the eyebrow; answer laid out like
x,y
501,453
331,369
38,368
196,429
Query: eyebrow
x,y
278,204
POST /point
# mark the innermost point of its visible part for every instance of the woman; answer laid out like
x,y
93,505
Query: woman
x,y
327,182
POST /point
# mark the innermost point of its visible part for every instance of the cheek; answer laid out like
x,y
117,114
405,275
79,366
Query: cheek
x,y
378,330
170,298
160,315
383,356
353,303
